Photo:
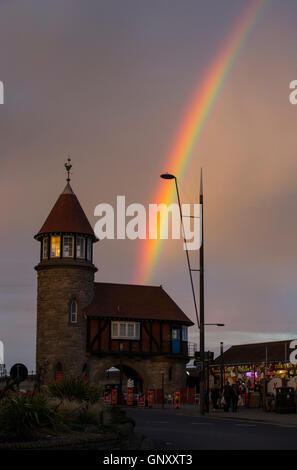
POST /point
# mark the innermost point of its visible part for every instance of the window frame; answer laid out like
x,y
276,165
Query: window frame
x,y
82,252
117,325
58,250
72,246
73,319
45,246
89,249
184,335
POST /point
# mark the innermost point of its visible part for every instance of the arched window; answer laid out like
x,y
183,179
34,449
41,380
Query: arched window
x,y
73,311
58,372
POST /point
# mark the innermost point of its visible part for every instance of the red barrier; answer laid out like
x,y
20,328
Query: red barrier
x,y
141,400
150,398
176,399
130,396
159,395
187,395
107,398
114,397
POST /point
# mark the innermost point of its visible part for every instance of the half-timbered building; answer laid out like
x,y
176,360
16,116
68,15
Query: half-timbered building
x,y
87,327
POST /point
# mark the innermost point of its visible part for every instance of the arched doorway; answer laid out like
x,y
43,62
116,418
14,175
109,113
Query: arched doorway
x,y
116,374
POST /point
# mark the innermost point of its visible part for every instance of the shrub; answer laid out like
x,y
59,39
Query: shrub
x,y
74,389
26,416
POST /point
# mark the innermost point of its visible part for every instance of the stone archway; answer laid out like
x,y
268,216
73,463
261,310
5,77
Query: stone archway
x,y
130,369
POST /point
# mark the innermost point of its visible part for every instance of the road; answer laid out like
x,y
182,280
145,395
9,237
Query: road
x,y
179,432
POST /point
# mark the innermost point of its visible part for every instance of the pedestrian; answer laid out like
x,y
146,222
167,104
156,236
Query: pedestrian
x,y
206,400
214,398
234,397
227,396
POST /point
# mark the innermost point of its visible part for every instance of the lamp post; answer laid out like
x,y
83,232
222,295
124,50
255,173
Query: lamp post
x,y
121,375
168,176
202,326
222,364
162,374
200,320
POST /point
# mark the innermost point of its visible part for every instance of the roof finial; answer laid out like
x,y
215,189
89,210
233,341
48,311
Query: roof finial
x,y
68,167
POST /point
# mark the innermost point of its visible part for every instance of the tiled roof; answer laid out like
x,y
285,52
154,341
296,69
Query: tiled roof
x,y
256,352
134,302
67,215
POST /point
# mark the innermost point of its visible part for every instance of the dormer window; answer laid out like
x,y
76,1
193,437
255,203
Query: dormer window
x,y
45,248
80,247
68,246
55,246
73,311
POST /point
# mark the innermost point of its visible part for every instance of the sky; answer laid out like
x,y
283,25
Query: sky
x,y
108,82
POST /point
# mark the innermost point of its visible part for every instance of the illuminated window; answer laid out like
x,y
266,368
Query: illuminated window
x,y
89,249
45,248
80,247
68,246
73,312
55,246
128,330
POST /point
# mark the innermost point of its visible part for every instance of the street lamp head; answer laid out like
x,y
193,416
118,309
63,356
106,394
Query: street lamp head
x,y
167,176
220,324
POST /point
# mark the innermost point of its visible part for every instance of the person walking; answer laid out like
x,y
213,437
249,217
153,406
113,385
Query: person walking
x,y
214,398
234,397
227,396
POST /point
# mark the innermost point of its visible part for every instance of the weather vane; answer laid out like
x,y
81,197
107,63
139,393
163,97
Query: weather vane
x,y
68,167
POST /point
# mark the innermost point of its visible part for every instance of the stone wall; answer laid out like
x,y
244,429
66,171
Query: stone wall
x,y
60,281
148,369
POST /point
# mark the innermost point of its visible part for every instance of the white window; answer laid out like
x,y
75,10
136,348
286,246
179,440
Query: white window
x,y
55,246
184,333
80,247
73,312
89,249
125,330
114,330
45,248
68,246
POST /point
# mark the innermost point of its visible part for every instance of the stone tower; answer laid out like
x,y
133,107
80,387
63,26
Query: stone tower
x,y
65,286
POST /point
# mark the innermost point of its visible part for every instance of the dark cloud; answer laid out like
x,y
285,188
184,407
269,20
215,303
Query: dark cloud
x,y
108,82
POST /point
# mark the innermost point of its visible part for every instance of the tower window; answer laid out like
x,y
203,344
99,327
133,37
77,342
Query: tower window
x,y
89,249
45,248
73,312
68,246
80,247
55,246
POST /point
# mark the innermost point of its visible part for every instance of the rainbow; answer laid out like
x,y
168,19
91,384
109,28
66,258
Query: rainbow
x,y
194,122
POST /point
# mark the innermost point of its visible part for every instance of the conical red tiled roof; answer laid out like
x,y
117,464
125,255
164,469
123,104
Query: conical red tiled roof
x,y
67,215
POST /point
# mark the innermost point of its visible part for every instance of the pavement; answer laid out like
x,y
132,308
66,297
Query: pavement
x,y
243,414
250,429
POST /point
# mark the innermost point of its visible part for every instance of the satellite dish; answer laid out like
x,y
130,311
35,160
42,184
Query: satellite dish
x,y
18,372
